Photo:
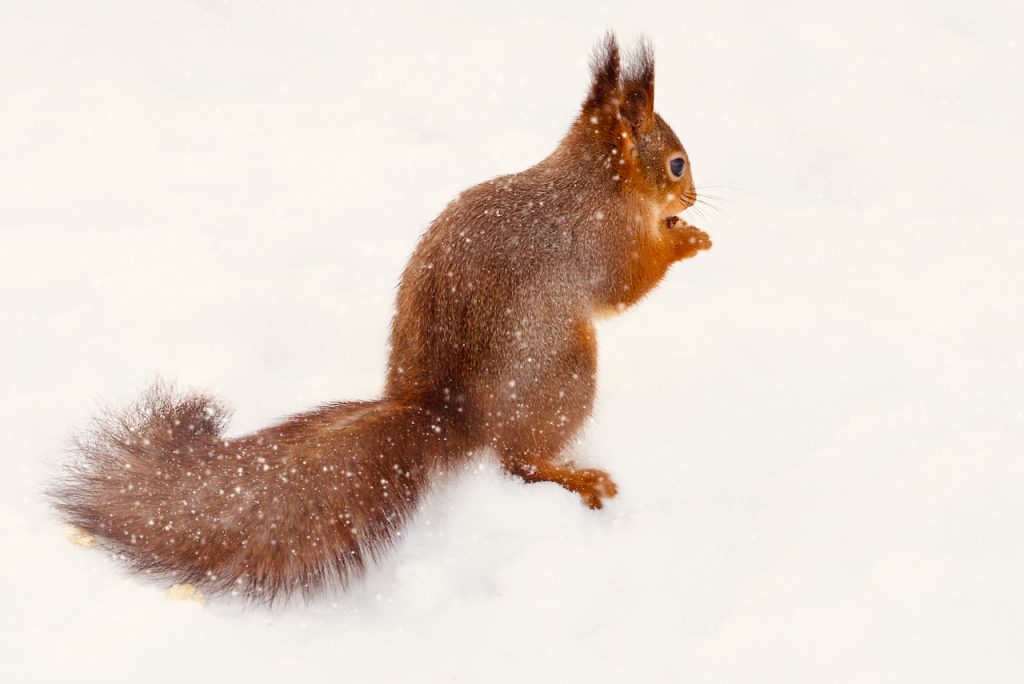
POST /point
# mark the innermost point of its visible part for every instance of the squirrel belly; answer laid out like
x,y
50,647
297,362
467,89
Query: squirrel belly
x,y
492,347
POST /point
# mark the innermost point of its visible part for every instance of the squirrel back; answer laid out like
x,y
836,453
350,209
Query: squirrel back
x,y
492,346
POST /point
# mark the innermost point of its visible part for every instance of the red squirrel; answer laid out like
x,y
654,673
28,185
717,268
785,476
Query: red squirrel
x,y
492,347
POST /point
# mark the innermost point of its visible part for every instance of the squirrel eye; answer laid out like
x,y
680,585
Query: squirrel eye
x,y
676,166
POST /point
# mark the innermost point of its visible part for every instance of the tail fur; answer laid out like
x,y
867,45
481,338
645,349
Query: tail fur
x,y
288,509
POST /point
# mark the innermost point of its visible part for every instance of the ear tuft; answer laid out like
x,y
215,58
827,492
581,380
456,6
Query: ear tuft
x,y
638,87
606,89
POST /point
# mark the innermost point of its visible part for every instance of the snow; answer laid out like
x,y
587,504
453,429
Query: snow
x,y
816,427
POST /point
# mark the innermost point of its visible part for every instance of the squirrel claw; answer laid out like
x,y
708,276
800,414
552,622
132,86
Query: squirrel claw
x,y
594,485
700,239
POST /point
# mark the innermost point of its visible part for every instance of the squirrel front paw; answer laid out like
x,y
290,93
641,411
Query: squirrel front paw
x,y
688,239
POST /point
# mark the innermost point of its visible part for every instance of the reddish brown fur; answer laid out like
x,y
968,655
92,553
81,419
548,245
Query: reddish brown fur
x,y
492,345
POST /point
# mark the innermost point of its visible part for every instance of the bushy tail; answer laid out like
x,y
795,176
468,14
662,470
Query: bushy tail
x,y
290,508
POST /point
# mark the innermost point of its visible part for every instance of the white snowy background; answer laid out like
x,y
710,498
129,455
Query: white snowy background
x,y
817,427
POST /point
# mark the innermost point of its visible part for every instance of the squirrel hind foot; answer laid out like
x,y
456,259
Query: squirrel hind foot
x,y
593,485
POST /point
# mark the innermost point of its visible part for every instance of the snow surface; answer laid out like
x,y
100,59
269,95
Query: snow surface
x,y
817,427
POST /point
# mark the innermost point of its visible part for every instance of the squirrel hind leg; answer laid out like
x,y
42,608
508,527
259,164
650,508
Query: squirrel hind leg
x,y
550,405
592,484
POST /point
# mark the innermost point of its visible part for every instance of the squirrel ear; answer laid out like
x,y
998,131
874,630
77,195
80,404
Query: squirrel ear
x,y
606,89
638,89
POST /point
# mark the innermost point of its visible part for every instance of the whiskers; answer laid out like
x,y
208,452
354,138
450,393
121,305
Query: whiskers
x,y
706,206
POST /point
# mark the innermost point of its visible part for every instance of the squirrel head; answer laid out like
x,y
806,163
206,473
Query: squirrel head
x,y
638,147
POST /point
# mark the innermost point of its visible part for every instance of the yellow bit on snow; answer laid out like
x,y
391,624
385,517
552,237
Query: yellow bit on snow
x,y
78,536
185,592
